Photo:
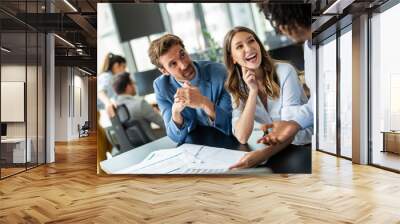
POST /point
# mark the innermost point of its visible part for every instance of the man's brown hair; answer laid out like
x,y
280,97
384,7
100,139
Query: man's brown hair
x,y
160,46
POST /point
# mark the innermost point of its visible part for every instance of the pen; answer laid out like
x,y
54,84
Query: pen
x,y
267,131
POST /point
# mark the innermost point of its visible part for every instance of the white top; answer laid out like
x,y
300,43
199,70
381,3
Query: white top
x,y
305,115
285,107
104,83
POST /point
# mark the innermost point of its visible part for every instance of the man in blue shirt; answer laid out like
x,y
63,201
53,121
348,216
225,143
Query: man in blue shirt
x,y
189,93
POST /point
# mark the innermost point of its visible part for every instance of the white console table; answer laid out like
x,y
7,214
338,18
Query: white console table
x,y
17,147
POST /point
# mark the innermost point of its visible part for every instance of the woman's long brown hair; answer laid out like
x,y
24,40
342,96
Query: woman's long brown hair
x,y
233,82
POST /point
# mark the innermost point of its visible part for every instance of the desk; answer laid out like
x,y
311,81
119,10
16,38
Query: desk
x,y
293,159
391,141
13,150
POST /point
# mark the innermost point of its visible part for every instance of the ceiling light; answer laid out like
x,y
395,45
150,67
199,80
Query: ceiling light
x,y
5,49
337,7
70,5
64,40
84,71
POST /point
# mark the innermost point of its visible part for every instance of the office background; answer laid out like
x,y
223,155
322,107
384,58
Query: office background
x,y
198,24
343,84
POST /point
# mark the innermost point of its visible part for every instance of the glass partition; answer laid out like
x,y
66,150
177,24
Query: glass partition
x,y
13,94
346,94
385,89
22,91
326,120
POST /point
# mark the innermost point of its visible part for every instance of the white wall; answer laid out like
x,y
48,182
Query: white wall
x,y
61,103
71,94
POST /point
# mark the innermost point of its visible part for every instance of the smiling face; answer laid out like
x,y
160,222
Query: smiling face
x,y
245,50
178,63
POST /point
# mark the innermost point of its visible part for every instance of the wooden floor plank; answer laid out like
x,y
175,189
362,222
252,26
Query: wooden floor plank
x,y
69,191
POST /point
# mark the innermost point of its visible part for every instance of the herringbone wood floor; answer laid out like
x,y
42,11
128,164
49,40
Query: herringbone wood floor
x,y
69,191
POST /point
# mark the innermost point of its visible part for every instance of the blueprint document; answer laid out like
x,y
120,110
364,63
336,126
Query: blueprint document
x,y
186,159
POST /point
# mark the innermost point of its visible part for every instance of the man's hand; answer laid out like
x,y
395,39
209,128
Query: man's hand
x,y
281,132
177,108
192,95
194,99
250,159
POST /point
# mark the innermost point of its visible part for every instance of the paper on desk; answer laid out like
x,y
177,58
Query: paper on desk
x,y
213,157
160,161
186,159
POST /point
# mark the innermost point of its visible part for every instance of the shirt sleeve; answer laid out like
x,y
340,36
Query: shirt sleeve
x,y
102,82
292,108
305,114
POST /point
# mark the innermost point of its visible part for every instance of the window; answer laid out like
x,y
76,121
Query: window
x,y
186,26
139,48
243,15
217,20
108,37
346,94
327,96
385,88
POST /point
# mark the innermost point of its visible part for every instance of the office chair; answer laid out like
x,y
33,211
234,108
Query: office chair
x,y
125,135
84,130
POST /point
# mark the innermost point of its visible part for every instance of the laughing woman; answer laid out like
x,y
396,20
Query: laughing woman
x,y
262,90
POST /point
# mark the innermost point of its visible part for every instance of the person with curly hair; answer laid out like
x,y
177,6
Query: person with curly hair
x,y
294,21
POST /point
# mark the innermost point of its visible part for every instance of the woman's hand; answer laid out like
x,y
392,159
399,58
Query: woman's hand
x,y
250,159
249,77
110,108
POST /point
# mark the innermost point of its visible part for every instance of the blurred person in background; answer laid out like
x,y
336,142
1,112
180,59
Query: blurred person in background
x,y
112,65
139,110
